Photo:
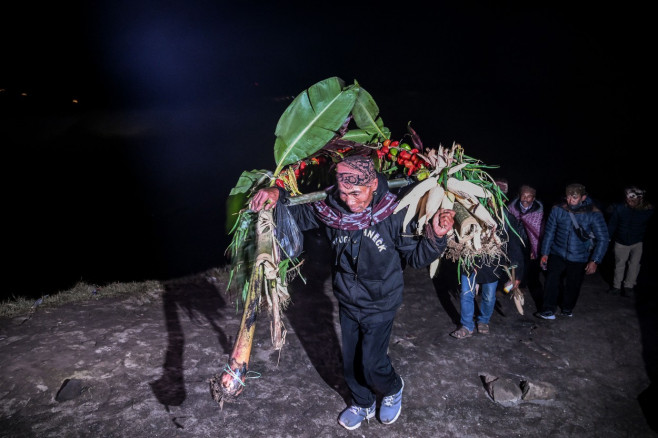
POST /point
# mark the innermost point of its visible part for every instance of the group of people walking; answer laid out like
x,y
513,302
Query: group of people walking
x,y
575,239
569,242
371,245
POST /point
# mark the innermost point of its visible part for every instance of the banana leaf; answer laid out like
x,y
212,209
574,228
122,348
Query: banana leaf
x,y
358,136
366,117
248,181
312,120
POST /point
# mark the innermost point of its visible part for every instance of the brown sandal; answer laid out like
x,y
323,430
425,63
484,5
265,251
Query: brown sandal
x,y
483,329
461,333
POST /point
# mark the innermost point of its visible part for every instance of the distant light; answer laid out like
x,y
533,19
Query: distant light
x,y
23,94
75,101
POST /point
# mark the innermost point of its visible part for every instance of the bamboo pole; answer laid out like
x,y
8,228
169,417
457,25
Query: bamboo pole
x,y
232,379
320,195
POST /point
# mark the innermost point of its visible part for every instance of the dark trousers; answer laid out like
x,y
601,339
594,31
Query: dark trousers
x,y
367,368
573,274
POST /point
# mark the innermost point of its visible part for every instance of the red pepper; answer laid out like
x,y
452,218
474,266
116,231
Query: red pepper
x,y
280,183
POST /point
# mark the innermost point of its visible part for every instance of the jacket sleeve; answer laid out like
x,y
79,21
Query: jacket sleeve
x,y
601,237
515,247
549,232
416,251
302,213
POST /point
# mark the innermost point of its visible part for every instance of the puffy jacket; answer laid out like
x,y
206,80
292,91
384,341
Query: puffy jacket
x,y
532,220
367,264
560,235
627,225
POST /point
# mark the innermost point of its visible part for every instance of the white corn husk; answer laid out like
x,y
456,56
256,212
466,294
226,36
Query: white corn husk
x,y
448,200
466,189
434,267
519,300
475,238
434,200
422,212
457,168
412,199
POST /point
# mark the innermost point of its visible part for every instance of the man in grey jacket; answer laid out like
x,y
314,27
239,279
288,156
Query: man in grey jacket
x,y
575,241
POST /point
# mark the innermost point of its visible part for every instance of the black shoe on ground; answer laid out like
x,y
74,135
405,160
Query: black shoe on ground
x,y
614,291
546,314
629,292
566,313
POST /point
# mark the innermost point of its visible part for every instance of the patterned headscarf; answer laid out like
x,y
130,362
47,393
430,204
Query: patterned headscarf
x,y
356,170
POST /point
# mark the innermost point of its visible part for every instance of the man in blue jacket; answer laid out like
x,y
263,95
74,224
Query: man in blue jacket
x,y
369,246
575,241
627,226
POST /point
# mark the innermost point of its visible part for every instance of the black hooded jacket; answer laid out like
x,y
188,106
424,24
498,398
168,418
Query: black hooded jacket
x,y
368,263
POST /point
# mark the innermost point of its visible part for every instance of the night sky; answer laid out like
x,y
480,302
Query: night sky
x,y
125,124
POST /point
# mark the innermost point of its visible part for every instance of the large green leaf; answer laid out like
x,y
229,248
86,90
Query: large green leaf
x,y
249,180
237,198
312,120
366,116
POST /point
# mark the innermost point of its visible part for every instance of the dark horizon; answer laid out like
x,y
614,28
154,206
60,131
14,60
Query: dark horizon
x,y
173,103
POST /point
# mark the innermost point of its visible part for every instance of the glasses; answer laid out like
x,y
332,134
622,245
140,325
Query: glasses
x,y
573,196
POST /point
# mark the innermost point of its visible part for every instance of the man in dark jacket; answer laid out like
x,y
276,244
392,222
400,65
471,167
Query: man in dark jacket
x,y
369,246
627,226
575,241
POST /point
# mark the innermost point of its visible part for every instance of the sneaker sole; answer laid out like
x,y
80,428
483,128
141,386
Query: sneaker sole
x,y
394,419
547,317
356,426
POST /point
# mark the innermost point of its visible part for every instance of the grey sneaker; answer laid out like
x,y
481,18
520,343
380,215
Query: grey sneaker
x,y
352,417
567,313
391,406
546,314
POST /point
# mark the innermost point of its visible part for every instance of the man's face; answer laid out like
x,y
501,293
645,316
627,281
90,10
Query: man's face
x,y
354,189
632,200
357,198
526,199
574,199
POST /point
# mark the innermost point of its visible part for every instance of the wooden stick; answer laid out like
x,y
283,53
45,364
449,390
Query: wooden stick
x,y
319,196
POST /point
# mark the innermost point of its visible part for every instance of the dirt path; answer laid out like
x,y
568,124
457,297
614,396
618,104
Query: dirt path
x,y
140,368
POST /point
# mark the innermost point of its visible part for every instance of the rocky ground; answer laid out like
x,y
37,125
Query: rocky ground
x,y
139,367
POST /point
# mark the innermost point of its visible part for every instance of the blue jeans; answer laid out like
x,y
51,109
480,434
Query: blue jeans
x,y
467,301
